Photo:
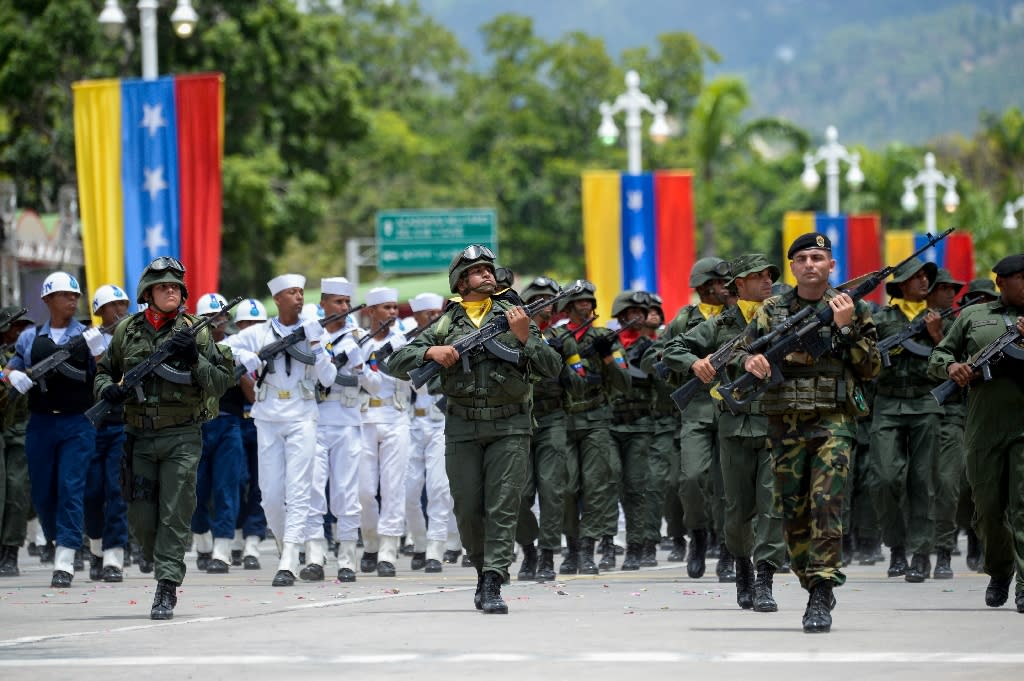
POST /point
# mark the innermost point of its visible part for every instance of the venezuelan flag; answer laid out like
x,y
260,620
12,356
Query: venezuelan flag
x,y
955,252
856,244
638,232
149,177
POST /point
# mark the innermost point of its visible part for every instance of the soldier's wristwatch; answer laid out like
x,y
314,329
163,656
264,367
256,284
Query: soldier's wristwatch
x,y
846,330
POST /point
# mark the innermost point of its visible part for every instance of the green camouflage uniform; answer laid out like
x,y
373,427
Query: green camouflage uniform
x,y
15,496
812,424
992,435
487,430
164,438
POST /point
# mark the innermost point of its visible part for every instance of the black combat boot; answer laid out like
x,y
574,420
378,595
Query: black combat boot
x,y
632,560
145,565
587,564
528,568
250,563
236,557
467,561
62,580
764,601
818,615
95,568
368,562
451,557
607,553
744,583
312,572
943,567
919,570
678,552
217,566
419,560
385,569
491,601
897,561
9,561
998,591
545,566
283,578
571,564
649,554
164,600
478,595
726,567
695,564
973,550
112,574
868,551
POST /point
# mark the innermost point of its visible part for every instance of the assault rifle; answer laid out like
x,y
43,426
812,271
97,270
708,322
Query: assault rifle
x,y
905,338
58,361
486,337
589,350
286,344
154,364
806,337
1004,346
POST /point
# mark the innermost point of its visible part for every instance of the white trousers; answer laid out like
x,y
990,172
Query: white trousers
x,y
339,449
383,465
426,466
287,452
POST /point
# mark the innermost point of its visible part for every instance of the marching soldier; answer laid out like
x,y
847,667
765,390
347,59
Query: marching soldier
x,y
811,419
487,434
163,436
993,435
15,501
905,426
59,441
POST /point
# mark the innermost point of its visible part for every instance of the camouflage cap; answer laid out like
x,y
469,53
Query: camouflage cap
x,y
906,271
983,286
944,276
752,263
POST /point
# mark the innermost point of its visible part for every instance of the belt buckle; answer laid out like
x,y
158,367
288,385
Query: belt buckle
x,y
420,412
284,394
375,402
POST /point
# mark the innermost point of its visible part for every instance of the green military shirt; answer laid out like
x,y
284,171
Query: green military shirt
x,y
904,386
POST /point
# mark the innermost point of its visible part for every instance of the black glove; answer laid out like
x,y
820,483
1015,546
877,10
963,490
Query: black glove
x,y
556,342
603,345
183,346
114,394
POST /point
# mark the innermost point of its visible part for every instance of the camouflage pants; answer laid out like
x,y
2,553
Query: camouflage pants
x,y
811,456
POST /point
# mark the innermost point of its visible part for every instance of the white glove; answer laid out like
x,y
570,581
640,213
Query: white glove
x,y
249,359
94,339
21,382
313,330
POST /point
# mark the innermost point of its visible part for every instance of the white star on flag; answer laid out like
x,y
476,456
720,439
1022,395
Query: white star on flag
x,y
152,118
639,284
154,181
155,239
637,246
635,200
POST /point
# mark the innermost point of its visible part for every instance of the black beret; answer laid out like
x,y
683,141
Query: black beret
x,y
1011,264
810,240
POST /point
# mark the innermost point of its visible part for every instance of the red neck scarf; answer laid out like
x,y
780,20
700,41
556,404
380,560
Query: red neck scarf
x,y
158,319
629,336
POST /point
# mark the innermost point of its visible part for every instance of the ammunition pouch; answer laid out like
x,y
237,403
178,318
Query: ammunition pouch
x,y
814,387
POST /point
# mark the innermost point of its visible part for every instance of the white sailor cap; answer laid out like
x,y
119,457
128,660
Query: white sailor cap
x,y
426,301
381,294
336,286
284,282
311,312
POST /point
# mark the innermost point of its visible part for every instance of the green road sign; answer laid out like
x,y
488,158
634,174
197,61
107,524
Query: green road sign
x,y
426,240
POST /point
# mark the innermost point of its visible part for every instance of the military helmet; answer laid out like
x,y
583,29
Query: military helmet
x,y
707,269
504,277
476,254
587,292
540,286
908,270
628,299
108,293
163,270
60,281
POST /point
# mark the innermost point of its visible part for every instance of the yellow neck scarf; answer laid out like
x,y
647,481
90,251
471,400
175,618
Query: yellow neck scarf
x,y
709,310
476,311
911,309
749,308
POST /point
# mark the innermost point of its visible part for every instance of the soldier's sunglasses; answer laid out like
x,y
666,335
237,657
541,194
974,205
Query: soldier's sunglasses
x,y
166,262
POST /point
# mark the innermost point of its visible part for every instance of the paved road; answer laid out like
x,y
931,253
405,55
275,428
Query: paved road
x,y
656,623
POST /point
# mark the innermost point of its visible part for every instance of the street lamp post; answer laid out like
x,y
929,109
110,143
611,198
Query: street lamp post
x,y
1010,220
634,102
931,179
184,20
832,152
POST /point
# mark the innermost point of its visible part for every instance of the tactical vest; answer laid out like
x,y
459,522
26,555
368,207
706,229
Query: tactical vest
x,y
68,389
809,385
594,394
492,388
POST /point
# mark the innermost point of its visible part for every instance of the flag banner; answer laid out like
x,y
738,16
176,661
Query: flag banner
x,y
164,147
794,223
863,249
955,252
834,227
645,241
959,256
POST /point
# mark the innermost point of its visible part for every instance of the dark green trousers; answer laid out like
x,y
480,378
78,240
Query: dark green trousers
x,y
545,480
903,449
591,499
699,441
633,450
658,472
15,495
753,519
163,497
949,466
487,476
859,517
